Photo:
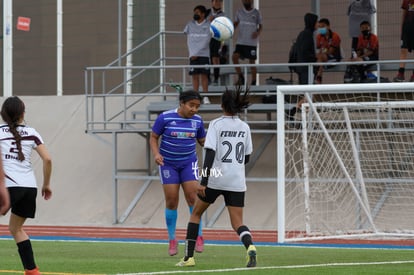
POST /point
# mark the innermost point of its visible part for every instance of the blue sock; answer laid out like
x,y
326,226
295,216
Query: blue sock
x,y
171,221
200,229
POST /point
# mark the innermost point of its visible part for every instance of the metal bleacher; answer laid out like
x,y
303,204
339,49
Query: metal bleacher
x,y
124,100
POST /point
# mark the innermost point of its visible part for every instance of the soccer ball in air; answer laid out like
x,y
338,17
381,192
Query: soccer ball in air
x,y
221,28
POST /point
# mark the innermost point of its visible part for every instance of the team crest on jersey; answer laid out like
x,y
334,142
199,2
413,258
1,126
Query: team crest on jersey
x,y
166,174
194,124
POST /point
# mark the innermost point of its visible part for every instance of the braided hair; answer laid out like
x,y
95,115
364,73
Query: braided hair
x,y
235,101
12,111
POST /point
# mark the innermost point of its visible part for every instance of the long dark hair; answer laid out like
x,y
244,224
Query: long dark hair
x,y
12,111
235,101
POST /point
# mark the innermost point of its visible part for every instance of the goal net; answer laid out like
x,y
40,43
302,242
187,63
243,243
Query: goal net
x,y
346,162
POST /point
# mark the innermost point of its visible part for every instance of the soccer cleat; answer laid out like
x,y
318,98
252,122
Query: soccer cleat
x,y
172,248
190,262
399,78
199,247
34,271
251,256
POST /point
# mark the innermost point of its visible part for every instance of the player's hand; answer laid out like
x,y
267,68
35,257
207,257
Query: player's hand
x,y
46,192
4,201
201,190
159,159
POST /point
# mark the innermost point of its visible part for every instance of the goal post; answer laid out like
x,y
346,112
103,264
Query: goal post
x,y
345,163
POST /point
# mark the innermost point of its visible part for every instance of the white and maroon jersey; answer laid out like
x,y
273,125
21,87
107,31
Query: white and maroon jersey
x,y
231,139
18,173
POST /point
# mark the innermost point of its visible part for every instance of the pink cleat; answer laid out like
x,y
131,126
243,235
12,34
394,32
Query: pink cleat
x,y
199,247
172,248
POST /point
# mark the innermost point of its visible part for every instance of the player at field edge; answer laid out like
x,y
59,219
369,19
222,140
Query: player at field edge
x,y
176,158
227,147
17,141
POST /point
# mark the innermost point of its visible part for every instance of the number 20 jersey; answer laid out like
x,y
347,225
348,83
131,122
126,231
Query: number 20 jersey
x,y
18,173
231,139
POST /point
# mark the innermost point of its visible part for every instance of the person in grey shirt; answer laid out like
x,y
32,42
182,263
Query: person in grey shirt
x,y
248,20
198,43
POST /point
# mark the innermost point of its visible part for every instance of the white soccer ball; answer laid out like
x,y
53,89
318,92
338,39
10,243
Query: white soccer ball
x,y
221,28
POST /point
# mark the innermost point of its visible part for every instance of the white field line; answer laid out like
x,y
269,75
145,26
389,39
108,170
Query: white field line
x,y
268,268
230,269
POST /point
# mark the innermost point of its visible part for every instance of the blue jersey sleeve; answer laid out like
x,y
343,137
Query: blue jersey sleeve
x,y
159,125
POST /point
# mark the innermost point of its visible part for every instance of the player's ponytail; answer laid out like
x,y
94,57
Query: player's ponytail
x,y
12,111
235,101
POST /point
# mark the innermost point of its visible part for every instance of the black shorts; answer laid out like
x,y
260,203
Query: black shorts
x,y
246,52
407,37
231,198
201,60
215,48
23,201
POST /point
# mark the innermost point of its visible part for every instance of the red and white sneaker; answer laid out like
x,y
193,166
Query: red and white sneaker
x,y
199,247
173,247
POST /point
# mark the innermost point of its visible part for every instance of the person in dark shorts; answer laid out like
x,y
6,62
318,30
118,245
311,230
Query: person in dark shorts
x,y
228,147
215,11
198,43
17,142
407,37
248,20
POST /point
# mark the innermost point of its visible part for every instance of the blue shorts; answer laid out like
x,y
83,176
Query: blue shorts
x,y
177,173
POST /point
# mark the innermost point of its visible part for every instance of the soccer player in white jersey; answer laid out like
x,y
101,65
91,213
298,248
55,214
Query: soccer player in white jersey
x,y
249,22
17,142
228,146
179,131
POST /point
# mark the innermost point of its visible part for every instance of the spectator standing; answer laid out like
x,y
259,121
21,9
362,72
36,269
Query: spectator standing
x,y
227,149
176,158
305,52
215,11
358,11
407,37
17,142
328,46
248,20
198,41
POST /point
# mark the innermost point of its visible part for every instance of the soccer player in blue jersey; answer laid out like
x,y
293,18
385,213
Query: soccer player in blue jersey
x,y
180,129
227,149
